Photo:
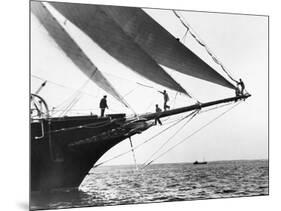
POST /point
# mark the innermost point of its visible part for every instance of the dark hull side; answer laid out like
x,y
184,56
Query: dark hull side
x,y
69,148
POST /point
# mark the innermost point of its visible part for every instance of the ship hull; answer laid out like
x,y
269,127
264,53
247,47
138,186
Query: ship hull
x,y
63,152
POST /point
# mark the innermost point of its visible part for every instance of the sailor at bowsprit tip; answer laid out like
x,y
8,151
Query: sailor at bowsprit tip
x,y
166,99
103,105
240,88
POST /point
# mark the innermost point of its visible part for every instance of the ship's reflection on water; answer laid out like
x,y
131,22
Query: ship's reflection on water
x,y
118,185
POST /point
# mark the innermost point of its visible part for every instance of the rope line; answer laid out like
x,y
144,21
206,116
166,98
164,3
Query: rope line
x,y
151,87
61,106
76,96
192,134
200,42
133,152
60,85
185,35
125,95
216,107
141,144
71,104
170,138
166,121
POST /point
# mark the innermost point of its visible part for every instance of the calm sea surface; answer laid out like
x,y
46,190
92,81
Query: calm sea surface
x,y
116,185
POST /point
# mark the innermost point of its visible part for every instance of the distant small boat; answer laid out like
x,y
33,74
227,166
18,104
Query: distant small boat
x,y
199,163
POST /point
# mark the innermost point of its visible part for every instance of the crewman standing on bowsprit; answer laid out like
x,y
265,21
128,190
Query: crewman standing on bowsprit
x,y
157,110
166,99
103,105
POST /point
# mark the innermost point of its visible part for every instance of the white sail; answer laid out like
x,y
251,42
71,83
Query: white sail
x,y
123,28
161,45
104,31
72,50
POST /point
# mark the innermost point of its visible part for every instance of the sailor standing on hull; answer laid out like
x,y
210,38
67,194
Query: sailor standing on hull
x,y
103,105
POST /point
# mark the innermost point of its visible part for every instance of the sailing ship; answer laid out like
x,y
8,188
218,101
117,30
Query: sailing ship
x,y
65,148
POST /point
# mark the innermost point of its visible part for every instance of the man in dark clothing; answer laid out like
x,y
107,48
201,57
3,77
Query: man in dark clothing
x,y
103,105
242,86
237,92
158,110
166,99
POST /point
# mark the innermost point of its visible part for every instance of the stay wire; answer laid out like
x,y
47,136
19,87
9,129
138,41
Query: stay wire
x,y
170,138
185,35
71,104
77,94
56,110
216,107
199,40
192,134
141,144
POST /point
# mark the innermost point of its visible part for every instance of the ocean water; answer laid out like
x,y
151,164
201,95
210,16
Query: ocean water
x,y
118,185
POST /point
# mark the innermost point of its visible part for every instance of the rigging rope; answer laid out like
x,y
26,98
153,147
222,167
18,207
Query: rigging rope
x,y
134,156
185,35
141,144
151,87
192,134
70,105
199,40
60,85
216,107
76,96
193,114
166,121
175,99
125,95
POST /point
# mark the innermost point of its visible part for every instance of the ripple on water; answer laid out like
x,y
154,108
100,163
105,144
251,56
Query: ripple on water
x,y
161,182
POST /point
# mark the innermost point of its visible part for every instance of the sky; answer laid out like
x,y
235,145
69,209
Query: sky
x,y
240,43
